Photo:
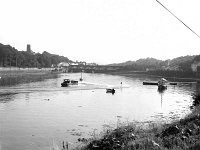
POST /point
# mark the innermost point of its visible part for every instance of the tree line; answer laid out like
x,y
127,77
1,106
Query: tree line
x,y
183,63
9,56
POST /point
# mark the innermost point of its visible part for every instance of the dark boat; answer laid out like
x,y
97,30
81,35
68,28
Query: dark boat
x,y
162,87
162,84
173,83
110,91
67,82
150,83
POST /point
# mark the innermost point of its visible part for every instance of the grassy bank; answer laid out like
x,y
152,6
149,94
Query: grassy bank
x,y
17,76
179,135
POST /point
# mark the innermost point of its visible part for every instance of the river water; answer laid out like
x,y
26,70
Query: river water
x,y
40,114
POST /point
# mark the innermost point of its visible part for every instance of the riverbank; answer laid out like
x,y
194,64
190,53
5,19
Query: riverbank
x,y
13,76
182,134
172,76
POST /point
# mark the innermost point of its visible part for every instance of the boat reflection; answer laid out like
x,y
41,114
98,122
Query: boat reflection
x,y
161,92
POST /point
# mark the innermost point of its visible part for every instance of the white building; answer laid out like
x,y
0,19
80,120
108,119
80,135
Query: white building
x,y
195,65
63,64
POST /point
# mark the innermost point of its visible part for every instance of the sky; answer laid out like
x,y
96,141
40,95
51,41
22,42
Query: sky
x,y
102,31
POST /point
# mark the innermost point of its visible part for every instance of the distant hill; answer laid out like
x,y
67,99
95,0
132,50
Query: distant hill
x,y
127,63
143,64
151,63
183,63
9,56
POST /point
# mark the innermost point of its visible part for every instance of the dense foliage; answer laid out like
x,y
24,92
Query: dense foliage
x,y
9,56
182,63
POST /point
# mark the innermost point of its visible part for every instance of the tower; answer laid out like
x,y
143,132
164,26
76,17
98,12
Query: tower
x,y
28,48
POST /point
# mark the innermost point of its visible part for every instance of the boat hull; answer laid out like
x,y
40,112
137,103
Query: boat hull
x,y
110,91
68,82
150,83
162,87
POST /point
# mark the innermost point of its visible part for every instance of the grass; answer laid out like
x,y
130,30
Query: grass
x,y
13,77
179,135
183,134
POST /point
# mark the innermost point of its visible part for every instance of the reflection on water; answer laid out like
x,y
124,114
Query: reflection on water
x,y
32,115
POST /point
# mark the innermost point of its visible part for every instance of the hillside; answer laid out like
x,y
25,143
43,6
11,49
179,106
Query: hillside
x,y
9,56
183,63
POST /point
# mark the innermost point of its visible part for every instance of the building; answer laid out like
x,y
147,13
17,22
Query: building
x,y
28,49
63,64
195,66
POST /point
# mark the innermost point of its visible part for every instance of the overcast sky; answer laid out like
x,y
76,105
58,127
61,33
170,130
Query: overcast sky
x,y
102,31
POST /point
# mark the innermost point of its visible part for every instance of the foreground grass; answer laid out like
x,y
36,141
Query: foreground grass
x,y
179,135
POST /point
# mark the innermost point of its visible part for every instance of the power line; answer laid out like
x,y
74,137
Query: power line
x,y
178,19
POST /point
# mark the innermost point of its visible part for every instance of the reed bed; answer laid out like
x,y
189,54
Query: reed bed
x,y
13,76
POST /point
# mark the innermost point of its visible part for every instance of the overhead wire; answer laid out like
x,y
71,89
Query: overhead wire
x,y
178,19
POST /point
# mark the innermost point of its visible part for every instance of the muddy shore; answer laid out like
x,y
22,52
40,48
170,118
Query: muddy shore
x,y
13,76
178,135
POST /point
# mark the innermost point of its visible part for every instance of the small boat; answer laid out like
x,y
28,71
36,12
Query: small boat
x,y
67,82
162,84
173,83
162,87
150,83
110,91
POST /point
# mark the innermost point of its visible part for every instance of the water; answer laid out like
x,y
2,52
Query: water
x,y
36,115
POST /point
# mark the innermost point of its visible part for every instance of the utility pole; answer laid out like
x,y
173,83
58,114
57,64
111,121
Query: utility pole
x,y
177,18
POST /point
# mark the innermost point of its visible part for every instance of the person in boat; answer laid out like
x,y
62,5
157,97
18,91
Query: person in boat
x,y
162,84
162,81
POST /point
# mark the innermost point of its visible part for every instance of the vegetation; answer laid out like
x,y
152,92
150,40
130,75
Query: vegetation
x,y
182,63
142,64
13,77
9,56
183,134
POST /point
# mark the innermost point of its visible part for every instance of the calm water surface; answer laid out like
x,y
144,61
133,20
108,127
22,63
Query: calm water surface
x,y
36,115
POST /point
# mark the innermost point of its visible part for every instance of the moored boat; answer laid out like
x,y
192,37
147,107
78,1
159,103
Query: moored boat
x,y
110,91
162,84
67,82
162,87
150,83
173,83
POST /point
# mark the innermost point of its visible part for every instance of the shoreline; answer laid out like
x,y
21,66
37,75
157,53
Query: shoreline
x,y
143,73
13,76
180,134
